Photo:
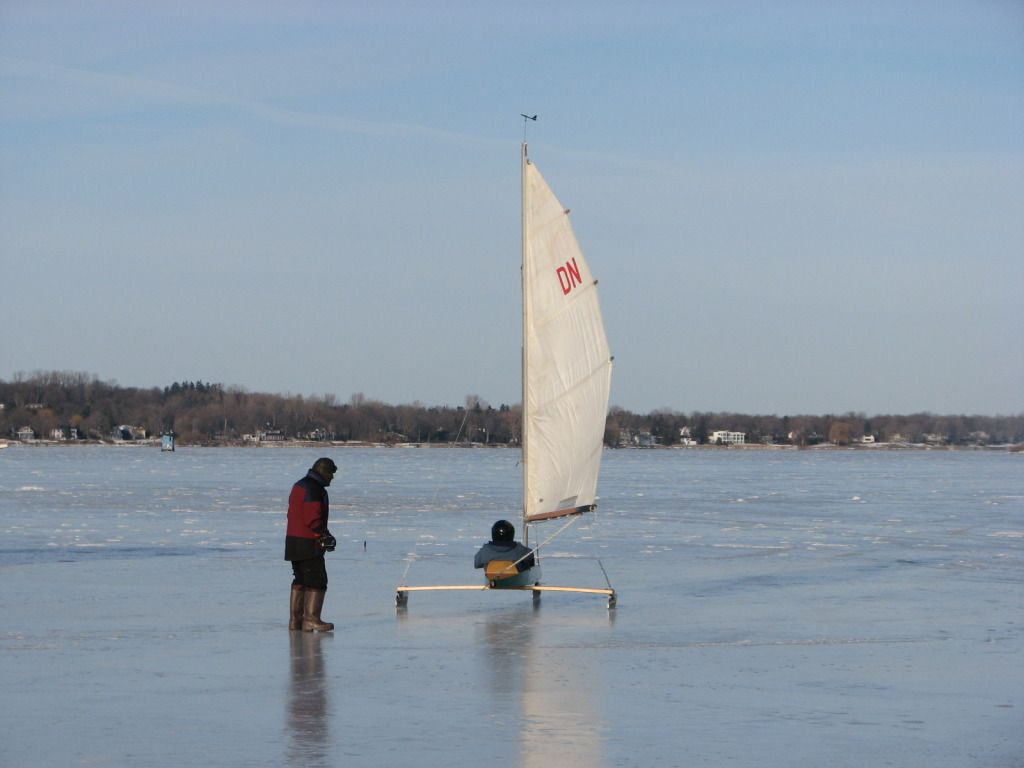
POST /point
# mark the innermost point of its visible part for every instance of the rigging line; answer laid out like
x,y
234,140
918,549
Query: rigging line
x,y
572,521
462,426
408,565
441,475
447,464
525,118
606,579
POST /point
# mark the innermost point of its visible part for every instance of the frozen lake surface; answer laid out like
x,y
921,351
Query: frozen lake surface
x,y
776,609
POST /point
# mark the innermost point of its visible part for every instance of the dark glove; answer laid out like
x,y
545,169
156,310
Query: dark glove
x,y
328,542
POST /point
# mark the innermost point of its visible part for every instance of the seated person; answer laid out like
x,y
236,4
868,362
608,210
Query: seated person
x,y
504,547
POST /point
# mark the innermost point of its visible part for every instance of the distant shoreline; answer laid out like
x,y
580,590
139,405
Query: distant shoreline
x,y
288,444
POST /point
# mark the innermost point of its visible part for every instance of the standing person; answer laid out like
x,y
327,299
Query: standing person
x,y
306,540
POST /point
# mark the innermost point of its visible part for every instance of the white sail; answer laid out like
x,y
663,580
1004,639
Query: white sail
x,y
567,364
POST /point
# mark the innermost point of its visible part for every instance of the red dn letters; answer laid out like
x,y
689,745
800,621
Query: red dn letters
x,y
569,276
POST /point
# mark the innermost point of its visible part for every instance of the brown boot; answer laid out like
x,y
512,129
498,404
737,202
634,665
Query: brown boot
x,y
297,606
314,603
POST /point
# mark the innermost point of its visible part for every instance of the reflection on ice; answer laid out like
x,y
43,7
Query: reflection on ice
x,y
553,688
309,700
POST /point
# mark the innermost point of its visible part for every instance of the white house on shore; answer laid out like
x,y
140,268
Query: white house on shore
x,y
724,437
686,436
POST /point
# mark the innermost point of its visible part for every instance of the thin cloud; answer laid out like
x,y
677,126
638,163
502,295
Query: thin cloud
x,y
138,89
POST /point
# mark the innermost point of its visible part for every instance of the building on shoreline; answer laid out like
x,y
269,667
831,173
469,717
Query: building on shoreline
x,y
725,437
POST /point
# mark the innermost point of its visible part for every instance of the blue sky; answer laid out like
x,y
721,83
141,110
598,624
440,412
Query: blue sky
x,y
792,207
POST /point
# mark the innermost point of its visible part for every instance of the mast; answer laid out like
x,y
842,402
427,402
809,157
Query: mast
x,y
522,429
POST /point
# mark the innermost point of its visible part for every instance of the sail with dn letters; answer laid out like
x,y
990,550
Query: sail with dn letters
x,y
567,365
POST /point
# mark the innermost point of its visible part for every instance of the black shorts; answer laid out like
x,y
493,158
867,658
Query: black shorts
x,y
310,573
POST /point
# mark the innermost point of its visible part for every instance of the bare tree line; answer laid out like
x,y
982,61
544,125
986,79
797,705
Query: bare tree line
x,y
77,405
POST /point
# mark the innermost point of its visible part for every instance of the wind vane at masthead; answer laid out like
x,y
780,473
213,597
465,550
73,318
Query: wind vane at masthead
x,y
525,118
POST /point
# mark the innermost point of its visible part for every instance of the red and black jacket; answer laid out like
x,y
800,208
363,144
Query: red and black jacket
x,y
307,518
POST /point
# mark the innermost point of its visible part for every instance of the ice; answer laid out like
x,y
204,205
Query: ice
x,y
144,613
